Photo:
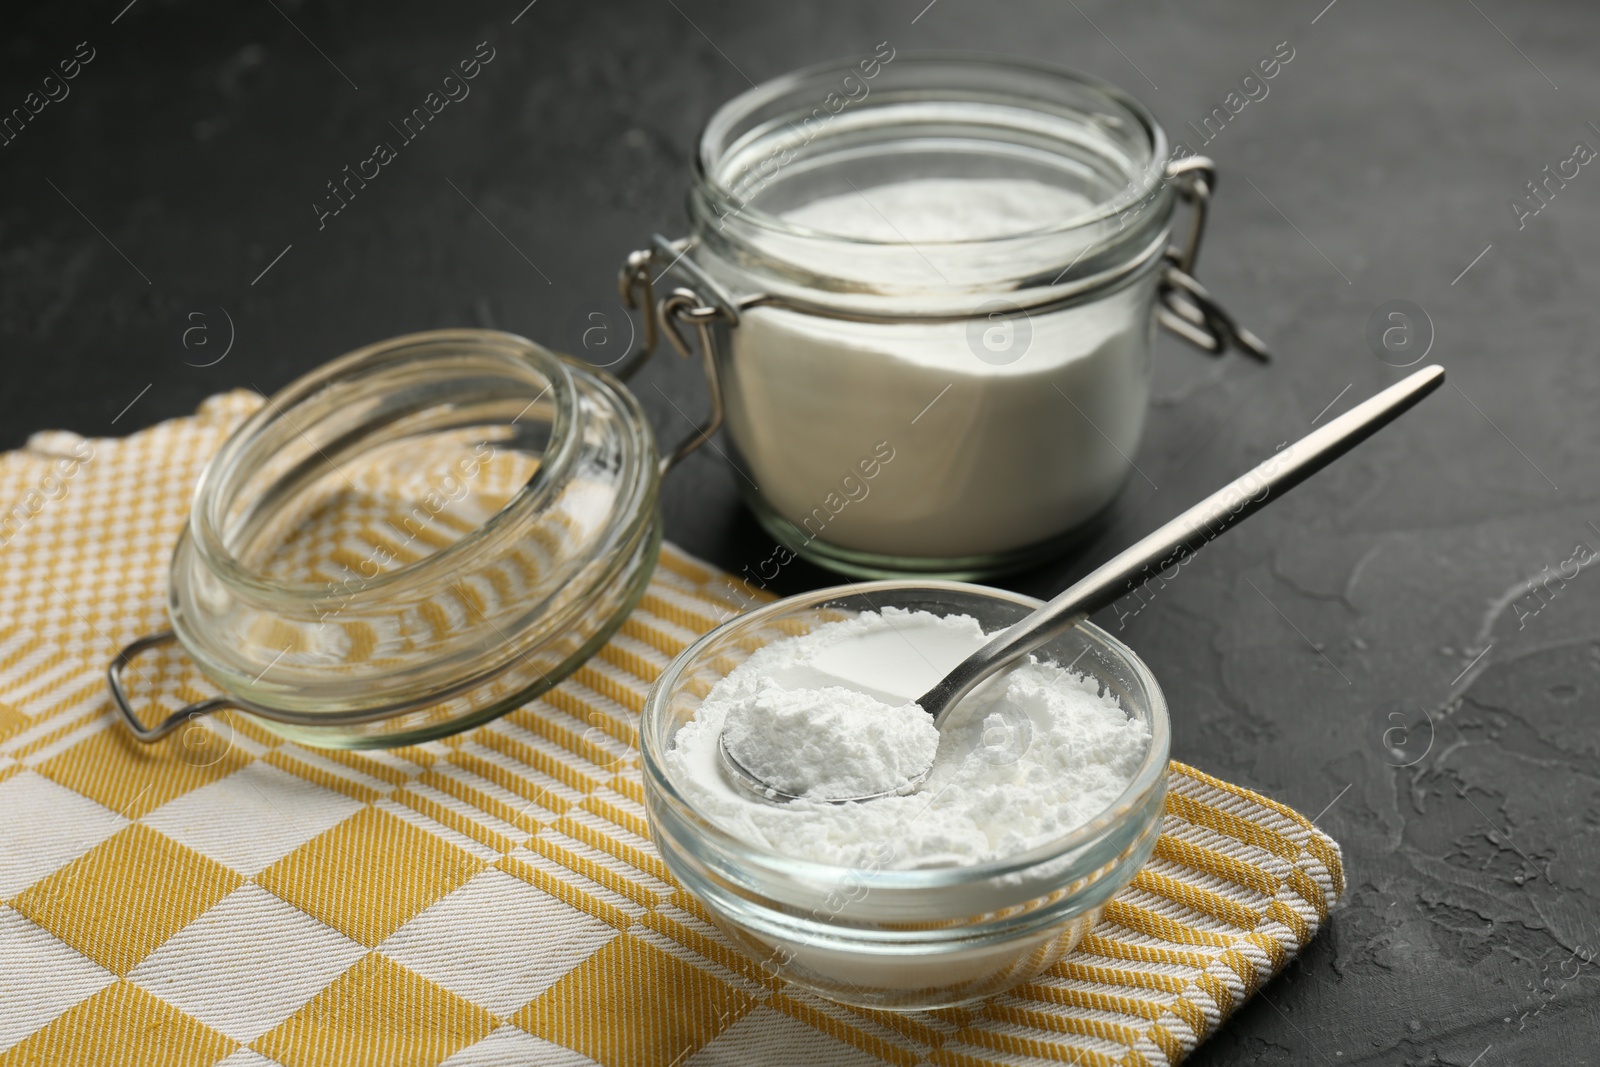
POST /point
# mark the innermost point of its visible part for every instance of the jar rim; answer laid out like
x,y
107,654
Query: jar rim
x,y
1148,776
211,501
714,143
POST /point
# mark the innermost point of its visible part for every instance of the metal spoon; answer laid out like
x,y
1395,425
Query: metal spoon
x,y
1128,570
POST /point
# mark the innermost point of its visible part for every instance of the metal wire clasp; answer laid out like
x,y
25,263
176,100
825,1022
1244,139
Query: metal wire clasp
x,y
119,693
683,306
1187,309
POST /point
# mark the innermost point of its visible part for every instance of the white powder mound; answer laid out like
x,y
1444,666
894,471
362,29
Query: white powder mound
x,y
942,209
831,742
1029,756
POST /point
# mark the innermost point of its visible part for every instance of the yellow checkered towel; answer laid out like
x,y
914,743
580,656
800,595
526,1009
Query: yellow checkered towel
x,y
488,899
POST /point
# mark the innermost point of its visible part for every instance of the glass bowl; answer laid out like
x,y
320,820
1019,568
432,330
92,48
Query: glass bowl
x,y
903,939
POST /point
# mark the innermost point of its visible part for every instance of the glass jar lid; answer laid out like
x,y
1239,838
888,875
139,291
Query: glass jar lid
x,y
414,538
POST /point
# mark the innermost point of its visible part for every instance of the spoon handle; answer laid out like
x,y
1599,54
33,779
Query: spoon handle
x,y
1181,538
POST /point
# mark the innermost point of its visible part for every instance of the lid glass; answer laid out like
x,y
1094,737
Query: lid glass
x,y
417,537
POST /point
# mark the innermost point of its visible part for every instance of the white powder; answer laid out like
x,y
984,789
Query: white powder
x,y
1028,757
830,742
1004,433
942,209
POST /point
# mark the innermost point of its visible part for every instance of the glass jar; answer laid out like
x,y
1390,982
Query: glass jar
x,y
933,283
902,939
414,538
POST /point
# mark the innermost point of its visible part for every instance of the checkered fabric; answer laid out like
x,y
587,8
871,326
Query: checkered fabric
x,y
228,897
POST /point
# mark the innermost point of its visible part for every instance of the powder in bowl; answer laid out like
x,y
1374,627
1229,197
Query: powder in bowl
x,y
1029,756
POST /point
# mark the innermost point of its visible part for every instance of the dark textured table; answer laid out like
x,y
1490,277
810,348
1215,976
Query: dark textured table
x,y
1409,647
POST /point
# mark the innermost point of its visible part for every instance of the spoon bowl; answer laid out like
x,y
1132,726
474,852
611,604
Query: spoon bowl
x,y
751,784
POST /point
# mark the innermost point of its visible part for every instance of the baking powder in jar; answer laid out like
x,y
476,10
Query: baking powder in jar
x,y
938,280
1004,432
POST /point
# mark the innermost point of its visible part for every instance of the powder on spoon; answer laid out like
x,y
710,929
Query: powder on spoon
x,y
1029,756
830,743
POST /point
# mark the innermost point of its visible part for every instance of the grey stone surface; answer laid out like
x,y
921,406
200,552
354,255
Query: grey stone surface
x,y
192,147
